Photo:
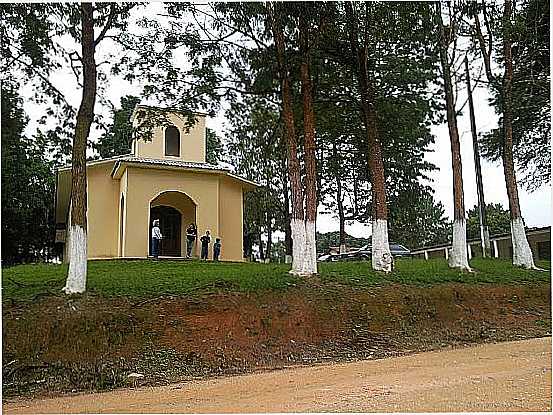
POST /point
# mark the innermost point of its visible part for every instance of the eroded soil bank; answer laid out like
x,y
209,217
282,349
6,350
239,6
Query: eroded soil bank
x,y
56,344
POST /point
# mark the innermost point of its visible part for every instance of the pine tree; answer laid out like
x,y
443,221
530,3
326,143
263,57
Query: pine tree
x,y
77,243
503,86
275,15
458,257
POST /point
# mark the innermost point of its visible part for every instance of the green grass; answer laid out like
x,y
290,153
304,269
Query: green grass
x,y
434,271
147,278
153,278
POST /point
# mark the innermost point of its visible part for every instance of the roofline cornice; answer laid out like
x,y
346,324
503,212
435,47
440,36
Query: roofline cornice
x,y
95,162
120,165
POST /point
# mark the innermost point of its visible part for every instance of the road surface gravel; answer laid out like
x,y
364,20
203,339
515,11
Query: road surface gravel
x,y
510,376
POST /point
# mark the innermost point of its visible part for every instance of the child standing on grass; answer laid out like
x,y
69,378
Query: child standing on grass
x,y
205,240
217,249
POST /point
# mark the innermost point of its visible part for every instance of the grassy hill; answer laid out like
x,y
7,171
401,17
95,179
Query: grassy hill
x,y
143,278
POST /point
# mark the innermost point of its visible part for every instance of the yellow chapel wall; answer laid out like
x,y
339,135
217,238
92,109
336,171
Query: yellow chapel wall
x,y
219,208
102,212
192,141
231,219
144,185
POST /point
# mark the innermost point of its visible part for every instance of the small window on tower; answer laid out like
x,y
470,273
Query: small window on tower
x,y
172,141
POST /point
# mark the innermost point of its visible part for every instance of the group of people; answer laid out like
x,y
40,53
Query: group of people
x,y
205,240
191,235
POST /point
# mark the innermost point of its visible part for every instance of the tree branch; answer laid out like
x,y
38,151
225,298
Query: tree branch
x,y
486,54
47,81
251,36
107,26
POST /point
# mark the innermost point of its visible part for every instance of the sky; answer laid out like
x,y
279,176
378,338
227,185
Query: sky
x,y
536,206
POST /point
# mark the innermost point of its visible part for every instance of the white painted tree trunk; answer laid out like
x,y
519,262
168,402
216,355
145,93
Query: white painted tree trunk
x,y
342,249
458,255
310,253
522,254
76,277
382,259
298,245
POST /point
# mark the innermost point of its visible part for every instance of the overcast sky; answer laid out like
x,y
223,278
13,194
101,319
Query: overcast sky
x,y
536,206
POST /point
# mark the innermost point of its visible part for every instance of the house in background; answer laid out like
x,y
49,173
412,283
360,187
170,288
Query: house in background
x,y
501,246
165,178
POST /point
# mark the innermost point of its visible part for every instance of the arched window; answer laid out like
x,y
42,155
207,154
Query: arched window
x,y
172,141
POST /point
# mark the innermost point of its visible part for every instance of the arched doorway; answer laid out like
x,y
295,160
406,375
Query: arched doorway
x,y
170,220
175,211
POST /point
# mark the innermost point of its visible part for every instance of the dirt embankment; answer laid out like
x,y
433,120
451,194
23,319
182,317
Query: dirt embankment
x,y
91,343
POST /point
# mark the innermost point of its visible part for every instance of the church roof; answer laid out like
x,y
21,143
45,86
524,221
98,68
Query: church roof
x,y
168,162
119,167
121,161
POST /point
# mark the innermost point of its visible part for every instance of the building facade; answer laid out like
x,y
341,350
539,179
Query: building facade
x,y
165,177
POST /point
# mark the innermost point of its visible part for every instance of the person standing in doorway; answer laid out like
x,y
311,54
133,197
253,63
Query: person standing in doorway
x,y
205,240
191,234
217,249
156,238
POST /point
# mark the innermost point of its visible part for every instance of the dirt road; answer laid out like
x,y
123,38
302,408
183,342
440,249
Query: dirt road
x,y
513,376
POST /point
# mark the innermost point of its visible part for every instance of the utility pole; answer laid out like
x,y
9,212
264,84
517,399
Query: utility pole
x,y
484,233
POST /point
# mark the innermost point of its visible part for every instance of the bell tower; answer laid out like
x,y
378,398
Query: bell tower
x,y
171,136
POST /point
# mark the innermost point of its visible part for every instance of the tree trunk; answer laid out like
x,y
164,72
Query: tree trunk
x,y
484,233
268,213
248,242
269,236
381,256
320,162
287,227
340,203
76,277
458,256
355,196
261,250
297,218
310,255
522,254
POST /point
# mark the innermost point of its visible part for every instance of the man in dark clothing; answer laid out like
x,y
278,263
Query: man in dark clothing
x,y
205,240
217,249
191,234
